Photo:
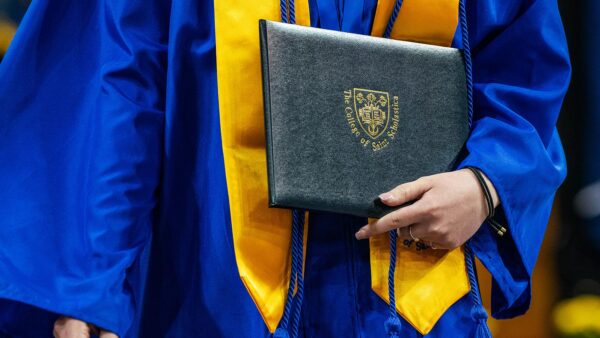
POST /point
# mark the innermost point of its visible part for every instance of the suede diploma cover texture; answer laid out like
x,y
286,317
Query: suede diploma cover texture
x,y
349,116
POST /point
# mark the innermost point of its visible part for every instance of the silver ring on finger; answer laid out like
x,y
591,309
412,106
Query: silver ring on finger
x,y
411,234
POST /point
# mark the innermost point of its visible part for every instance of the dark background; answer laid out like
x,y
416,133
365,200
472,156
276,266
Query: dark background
x,y
578,248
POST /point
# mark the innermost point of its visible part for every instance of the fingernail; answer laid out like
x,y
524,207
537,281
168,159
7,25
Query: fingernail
x,y
360,234
386,196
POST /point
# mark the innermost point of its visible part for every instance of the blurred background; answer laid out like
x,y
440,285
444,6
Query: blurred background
x,y
566,293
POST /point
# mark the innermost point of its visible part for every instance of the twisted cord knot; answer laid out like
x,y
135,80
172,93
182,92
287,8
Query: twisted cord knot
x,y
479,314
393,326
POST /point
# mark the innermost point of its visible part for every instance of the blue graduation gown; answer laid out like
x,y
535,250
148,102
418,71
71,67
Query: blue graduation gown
x,y
110,141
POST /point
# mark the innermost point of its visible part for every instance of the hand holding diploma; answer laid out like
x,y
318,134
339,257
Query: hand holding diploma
x,y
448,209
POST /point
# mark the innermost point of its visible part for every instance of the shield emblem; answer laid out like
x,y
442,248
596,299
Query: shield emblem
x,y
372,109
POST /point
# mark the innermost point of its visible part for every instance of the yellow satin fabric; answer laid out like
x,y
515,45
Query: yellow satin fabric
x,y
427,282
261,236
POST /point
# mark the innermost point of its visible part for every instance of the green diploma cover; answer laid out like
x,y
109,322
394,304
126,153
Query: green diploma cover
x,y
349,116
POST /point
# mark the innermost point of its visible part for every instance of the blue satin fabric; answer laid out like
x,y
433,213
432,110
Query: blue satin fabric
x,y
354,16
110,141
81,122
521,73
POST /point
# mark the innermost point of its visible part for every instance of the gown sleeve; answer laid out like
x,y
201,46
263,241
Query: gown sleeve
x,y
81,125
521,72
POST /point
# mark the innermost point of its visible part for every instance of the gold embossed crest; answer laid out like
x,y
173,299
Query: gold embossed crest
x,y
372,111
368,112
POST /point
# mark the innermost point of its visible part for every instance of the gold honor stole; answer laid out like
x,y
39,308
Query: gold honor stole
x,y
428,282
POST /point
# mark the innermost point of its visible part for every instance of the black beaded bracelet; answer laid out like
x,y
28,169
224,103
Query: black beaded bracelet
x,y
500,230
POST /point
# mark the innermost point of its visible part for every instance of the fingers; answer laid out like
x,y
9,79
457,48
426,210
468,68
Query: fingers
x,y
397,219
447,210
106,334
421,232
66,327
432,234
403,217
418,232
406,192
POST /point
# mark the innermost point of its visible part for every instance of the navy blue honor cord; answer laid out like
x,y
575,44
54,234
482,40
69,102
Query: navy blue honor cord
x,y
293,302
478,313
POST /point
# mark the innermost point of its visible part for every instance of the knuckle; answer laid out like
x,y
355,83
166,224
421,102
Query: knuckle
x,y
403,193
395,219
435,208
428,207
424,180
436,231
388,226
374,229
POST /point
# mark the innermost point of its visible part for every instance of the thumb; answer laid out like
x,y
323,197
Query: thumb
x,y
406,192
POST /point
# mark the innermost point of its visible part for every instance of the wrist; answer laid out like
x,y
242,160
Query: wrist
x,y
493,192
490,197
